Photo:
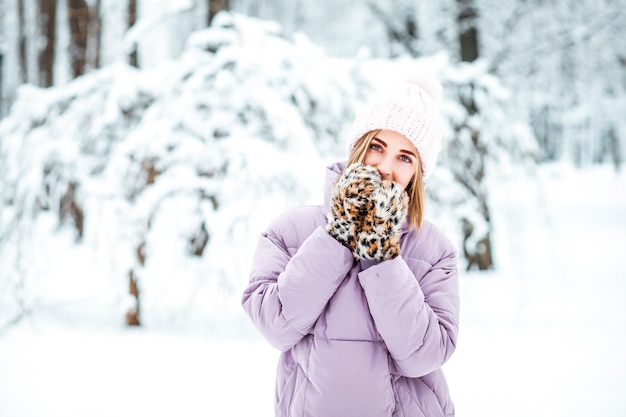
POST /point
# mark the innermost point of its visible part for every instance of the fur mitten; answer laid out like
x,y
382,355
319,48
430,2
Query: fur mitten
x,y
367,213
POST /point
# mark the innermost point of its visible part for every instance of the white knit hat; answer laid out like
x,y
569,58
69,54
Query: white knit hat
x,y
410,110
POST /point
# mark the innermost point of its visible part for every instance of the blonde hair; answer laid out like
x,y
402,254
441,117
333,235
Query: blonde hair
x,y
415,189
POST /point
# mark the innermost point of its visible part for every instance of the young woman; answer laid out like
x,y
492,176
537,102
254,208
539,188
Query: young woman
x,y
361,293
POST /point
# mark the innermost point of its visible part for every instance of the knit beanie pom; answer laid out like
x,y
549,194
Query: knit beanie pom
x,y
409,109
429,83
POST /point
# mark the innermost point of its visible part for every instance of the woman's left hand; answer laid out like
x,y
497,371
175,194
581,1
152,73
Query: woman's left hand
x,y
379,235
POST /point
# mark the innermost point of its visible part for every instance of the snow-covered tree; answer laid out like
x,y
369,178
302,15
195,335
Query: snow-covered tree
x,y
164,175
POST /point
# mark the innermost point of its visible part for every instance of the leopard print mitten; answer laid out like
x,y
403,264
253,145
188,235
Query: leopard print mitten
x,y
367,213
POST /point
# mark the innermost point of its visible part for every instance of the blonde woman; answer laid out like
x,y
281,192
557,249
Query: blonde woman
x,y
361,294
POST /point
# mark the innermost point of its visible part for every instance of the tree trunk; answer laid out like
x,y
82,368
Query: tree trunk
x,y
132,19
1,93
47,23
216,6
467,19
615,149
78,13
22,41
481,254
96,33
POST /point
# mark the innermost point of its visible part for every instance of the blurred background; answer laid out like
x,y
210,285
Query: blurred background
x,y
145,144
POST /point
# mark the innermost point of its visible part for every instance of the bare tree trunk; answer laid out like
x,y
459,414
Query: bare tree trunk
x,y
22,41
475,167
467,19
615,149
216,6
132,19
96,33
1,93
78,13
47,23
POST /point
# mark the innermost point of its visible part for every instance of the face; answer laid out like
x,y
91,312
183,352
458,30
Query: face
x,y
394,156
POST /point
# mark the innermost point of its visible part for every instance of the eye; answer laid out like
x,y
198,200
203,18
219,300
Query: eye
x,y
405,158
376,147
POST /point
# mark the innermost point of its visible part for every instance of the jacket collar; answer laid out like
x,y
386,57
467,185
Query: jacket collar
x,y
333,171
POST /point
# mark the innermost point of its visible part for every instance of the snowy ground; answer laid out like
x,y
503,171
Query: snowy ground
x,y
544,335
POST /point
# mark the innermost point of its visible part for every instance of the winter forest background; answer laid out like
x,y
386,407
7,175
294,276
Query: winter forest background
x,y
144,145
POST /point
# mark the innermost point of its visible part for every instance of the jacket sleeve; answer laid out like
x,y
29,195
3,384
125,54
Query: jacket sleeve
x,y
286,295
418,320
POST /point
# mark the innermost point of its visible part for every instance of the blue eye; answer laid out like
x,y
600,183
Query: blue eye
x,y
376,147
406,159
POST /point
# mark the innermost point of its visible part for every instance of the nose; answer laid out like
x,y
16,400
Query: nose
x,y
384,167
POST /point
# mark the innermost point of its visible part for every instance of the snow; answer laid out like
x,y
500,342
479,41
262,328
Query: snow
x,y
543,335
237,129
56,370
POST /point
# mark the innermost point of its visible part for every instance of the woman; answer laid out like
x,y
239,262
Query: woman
x,y
361,294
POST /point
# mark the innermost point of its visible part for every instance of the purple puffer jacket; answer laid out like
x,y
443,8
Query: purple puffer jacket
x,y
357,338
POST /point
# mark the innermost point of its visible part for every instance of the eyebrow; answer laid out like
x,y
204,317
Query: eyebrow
x,y
405,151
380,140
408,152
